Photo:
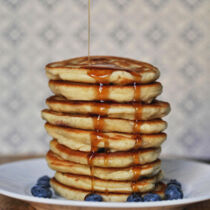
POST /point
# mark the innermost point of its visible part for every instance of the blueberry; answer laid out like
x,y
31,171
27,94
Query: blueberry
x,y
93,197
175,182
44,181
152,197
101,150
173,192
40,191
134,197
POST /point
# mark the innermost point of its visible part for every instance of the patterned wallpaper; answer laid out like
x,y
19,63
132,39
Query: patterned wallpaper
x,y
173,35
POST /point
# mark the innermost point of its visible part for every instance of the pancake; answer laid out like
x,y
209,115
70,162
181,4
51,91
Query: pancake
x,y
120,174
102,69
100,185
77,194
118,93
104,124
157,109
81,139
114,159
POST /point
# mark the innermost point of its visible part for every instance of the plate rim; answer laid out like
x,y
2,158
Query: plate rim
x,y
51,201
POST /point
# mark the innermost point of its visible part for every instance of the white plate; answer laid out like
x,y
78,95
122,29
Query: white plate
x,y
17,178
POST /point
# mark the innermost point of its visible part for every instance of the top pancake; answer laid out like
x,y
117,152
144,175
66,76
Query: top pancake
x,y
102,69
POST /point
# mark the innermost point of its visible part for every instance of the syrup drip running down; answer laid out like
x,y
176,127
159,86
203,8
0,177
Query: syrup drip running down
x,y
97,136
102,92
101,73
93,139
138,141
138,110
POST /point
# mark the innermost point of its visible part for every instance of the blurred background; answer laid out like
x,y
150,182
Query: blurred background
x,y
173,35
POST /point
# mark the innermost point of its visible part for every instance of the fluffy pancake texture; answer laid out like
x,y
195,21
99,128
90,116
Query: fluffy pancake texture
x,y
114,159
117,93
155,110
57,163
81,139
109,124
103,69
78,194
85,183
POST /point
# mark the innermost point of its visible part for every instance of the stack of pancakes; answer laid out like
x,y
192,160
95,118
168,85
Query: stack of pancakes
x,y
106,127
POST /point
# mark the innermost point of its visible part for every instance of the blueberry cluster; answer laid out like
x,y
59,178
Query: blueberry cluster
x,y
135,197
42,188
173,192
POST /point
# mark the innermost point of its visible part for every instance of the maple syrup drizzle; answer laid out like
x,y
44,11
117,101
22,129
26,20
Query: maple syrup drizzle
x,y
93,139
138,112
102,93
102,77
102,68
97,135
136,129
102,110
136,174
102,72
